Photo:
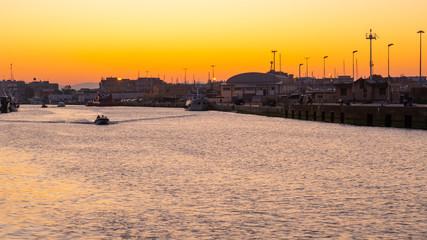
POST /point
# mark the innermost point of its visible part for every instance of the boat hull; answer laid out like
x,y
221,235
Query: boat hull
x,y
102,121
199,104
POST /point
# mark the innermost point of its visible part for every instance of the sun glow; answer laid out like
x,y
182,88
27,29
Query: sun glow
x,y
79,41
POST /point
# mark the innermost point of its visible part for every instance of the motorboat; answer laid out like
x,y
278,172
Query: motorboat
x,y
102,120
61,104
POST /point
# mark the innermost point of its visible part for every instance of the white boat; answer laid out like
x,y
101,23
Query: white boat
x,y
102,120
197,102
61,104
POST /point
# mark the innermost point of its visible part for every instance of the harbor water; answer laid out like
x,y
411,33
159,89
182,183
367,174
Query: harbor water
x,y
167,173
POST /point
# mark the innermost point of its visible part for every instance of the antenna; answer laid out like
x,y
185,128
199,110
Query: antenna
x,y
371,36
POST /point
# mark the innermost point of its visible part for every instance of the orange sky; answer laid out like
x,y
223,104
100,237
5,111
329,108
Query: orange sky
x,y
70,42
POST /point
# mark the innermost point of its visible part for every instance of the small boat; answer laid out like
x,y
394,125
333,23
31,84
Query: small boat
x,y
44,106
102,120
61,104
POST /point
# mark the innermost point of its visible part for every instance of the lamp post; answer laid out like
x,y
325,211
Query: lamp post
x,y
388,71
213,72
352,90
274,60
306,66
324,60
324,75
306,70
185,75
420,32
299,78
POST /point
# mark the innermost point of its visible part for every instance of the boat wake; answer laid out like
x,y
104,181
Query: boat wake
x,y
85,121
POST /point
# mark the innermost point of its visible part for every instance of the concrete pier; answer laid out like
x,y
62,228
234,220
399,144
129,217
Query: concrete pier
x,y
393,115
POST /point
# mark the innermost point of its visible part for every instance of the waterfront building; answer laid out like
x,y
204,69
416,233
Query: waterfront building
x,y
140,85
43,88
365,90
172,92
56,98
86,94
253,87
14,88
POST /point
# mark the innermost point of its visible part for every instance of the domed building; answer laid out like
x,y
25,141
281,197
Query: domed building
x,y
254,87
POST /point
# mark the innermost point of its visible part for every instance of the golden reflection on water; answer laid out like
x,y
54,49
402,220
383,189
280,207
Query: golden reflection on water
x,y
210,175
29,199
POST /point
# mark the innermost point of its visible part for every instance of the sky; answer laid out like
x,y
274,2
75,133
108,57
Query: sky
x,y
71,42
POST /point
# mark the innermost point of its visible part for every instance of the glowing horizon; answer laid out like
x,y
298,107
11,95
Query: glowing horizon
x,y
71,42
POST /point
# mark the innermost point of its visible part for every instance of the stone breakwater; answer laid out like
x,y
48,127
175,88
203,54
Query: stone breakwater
x,y
363,115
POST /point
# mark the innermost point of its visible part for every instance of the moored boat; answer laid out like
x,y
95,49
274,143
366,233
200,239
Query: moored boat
x,y
61,104
102,99
198,102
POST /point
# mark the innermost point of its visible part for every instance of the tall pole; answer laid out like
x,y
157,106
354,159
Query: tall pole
x,y
299,79
11,72
420,32
185,75
213,72
352,90
324,68
306,67
370,37
274,61
388,71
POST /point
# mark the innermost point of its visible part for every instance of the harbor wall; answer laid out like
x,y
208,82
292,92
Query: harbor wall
x,y
362,115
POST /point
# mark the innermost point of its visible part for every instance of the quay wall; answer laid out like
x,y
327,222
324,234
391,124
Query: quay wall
x,y
146,104
362,115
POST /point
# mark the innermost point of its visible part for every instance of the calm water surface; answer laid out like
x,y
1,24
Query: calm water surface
x,y
159,173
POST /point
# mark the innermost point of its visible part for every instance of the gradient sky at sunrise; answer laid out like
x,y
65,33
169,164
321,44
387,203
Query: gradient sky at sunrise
x,y
70,42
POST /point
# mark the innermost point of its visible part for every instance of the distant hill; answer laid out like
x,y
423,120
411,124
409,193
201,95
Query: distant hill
x,y
90,85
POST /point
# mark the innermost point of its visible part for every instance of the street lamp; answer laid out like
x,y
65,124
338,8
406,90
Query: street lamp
x,y
388,71
213,72
306,71
306,66
352,91
324,76
274,60
299,79
185,75
420,32
324,59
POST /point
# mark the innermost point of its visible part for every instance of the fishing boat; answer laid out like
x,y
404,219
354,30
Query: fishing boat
x,y
102,120
8,103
